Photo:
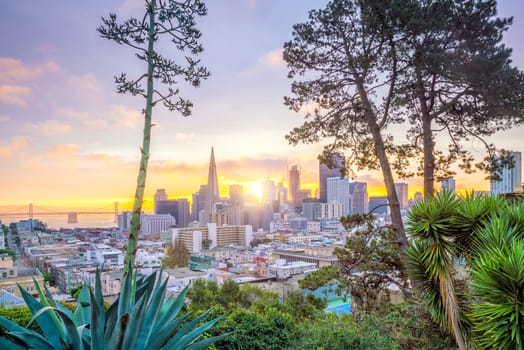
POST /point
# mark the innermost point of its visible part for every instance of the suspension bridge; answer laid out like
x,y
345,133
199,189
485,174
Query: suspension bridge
x,y
32,211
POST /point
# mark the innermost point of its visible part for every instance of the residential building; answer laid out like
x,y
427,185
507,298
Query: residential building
x,y
331,210
218,235
153,224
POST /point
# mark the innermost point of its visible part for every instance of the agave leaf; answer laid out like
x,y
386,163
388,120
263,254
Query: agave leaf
x,y
83,306
179,337
116,336
125,295
163,335
97,322
34,341
137,320
14,327
204,343
8,344
174,308
49,302
72,333
111,320
193,335
52,331
152,312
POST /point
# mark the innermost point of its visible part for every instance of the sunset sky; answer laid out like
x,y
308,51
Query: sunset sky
x,y
68,140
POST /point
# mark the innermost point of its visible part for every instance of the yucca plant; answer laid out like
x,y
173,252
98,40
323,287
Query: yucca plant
x,y
141,318
488,233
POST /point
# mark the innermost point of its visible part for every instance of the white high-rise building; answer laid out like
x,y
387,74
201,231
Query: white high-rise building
x,y
511,178
448,185
402,193
331,210
338,191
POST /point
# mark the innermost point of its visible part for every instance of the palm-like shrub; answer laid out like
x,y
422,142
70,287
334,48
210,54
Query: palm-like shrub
x,y
487,233
141,318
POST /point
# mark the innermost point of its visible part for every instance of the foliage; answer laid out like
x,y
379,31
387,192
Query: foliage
x,y
206,243
457,81
48,278
20,315
255,242
368,264
176,21
9,252
176,255
487,233
341,59
141,318
75,291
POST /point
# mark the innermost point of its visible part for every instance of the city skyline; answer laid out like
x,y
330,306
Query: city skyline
x,y
67,139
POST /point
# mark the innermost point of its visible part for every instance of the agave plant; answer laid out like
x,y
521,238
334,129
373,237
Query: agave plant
x,y
141,318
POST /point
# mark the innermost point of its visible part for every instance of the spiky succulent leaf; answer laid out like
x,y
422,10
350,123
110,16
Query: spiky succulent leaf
x,y
97,319
34,341
49,327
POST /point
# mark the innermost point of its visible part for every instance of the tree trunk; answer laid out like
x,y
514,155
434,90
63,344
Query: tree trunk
x,y
427,137
146,141
387,174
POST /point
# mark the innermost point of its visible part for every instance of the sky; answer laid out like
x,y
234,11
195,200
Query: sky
x,y
67,139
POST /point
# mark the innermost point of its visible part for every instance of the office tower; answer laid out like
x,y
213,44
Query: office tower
x,y
294,183
324,172
198,203
268,191
300,196
212,193
331,210
236,199
311,209
124,221
337,190
160,195
183,216
281,195
448,185
358,192
418,196
402,194
511,178
167,206
379,205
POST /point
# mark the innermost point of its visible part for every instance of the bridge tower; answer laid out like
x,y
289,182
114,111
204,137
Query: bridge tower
x,y
116,213
30,211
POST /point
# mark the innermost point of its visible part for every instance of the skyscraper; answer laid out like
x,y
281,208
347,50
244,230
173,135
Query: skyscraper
x,y
359,197
448,185
338,191
324,172
268,191
511,178
402,193
236,198
160,195
212,193
294,183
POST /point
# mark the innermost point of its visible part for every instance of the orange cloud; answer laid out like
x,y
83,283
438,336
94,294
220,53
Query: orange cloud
x,y
15,70
17,144
14,95
52,127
